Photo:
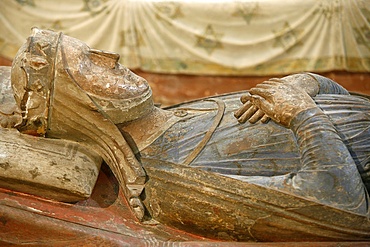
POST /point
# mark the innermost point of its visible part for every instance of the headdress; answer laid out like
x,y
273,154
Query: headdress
x,y
45,79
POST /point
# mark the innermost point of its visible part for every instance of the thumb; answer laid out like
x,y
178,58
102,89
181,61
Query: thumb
x,y
245,98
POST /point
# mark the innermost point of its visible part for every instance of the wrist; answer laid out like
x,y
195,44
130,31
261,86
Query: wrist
x,y
295,103
302,117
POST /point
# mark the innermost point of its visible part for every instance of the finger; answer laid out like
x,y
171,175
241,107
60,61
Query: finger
x,y
242,109
265,119
262,92
245,98
262,104
247,114
265,106
267,84
279,80
257,116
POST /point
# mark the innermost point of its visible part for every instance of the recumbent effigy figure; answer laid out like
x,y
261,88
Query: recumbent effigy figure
x,y
74,99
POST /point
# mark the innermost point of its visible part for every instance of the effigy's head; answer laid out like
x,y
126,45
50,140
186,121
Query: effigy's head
x,y
112,88
66,90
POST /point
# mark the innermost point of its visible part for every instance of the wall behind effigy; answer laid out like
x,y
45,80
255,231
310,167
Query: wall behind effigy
x,y
209,37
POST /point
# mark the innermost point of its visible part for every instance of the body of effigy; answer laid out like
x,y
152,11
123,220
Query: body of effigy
x,y
192,166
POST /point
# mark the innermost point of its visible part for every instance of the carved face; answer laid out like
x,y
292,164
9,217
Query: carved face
x,y
99,73
114,89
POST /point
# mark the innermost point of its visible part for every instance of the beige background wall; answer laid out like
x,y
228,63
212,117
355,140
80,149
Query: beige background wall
x,y
192,49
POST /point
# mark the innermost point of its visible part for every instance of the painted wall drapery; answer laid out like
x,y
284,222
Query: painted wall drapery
x,y
218,37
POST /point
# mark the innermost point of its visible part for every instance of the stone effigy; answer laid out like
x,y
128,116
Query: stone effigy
x,y
191,166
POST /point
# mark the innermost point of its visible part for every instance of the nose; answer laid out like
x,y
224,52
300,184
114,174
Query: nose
x,y
104,58
111,55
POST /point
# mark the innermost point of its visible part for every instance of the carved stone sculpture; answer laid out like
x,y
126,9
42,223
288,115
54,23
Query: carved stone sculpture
x,y
57,169
192,166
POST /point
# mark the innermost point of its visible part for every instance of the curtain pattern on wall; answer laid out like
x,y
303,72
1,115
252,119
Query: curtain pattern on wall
x,y
255,37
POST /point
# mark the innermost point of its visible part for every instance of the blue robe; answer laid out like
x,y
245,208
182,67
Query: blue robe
x,y
331,165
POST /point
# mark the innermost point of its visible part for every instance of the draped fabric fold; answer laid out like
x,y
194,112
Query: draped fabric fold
x,y
217,37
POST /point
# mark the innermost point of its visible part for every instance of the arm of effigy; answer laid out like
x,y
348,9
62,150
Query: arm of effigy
x,y
312,84
328,172
327,86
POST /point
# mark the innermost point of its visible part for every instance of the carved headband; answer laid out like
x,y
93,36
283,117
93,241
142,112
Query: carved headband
x,y
32,79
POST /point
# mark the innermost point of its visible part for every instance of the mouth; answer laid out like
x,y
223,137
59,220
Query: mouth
x,y
130,102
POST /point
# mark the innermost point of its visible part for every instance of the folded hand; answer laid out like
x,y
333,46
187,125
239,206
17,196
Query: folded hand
x,y
276,100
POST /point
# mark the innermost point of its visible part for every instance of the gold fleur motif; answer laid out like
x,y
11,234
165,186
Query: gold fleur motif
x,y
328,9
131,38
35,172
362,35
246,10
210,40
93,6
171,10
286,37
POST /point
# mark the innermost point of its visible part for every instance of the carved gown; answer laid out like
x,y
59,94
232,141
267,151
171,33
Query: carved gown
x,y
323,157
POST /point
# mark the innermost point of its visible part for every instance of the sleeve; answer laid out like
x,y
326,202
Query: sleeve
x,y
328,173
328,86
